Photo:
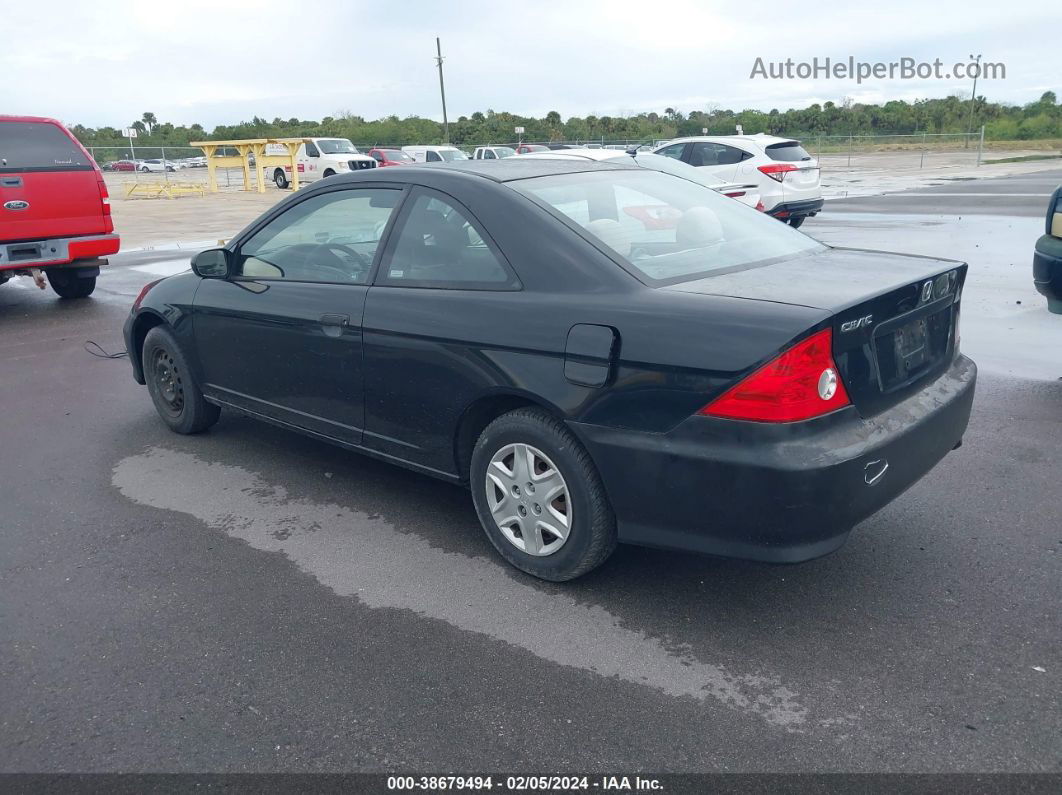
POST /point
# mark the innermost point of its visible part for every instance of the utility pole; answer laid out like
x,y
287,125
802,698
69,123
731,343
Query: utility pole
x,y
973,99
442,90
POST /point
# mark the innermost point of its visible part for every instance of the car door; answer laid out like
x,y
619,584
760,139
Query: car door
x,y
439,264
282,336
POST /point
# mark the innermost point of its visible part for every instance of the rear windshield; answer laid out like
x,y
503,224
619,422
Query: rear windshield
x,y
38,146
789,152
665,228
396,154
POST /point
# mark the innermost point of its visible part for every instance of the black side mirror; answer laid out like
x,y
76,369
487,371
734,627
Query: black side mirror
x,y
214,263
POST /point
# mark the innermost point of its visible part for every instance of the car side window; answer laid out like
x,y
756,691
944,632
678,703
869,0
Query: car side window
x,y
331,237
731,154
675,151
488,154
311,150
709,154
433,157
436,244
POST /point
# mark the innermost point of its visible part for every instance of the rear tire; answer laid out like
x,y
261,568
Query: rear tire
x,y
280,178
796,222
559,459
173,388
67,284
329,173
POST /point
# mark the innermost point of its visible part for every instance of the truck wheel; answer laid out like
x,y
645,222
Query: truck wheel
x,y
67,283
176,395
539,497
280,178
329,172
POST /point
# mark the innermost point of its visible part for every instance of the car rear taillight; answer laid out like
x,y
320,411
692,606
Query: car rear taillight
x,y
777,171
735,194
760,207
801,383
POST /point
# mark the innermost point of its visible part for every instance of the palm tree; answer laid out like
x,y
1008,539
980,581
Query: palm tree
x,y
149,121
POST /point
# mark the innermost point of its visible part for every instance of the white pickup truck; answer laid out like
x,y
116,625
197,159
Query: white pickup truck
x,y
318,158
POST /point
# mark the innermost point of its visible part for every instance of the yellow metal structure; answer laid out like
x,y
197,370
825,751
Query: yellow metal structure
x,y
163,190
262,160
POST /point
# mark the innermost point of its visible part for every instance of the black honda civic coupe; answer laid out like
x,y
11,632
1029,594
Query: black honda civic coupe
x,y
600,352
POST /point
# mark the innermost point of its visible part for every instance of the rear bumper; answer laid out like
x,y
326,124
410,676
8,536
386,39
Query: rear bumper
x,y
56,251
778,493
796,209
1047,267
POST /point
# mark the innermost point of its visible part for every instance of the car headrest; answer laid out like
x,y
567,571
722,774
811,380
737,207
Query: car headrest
x,y
699,227
612,234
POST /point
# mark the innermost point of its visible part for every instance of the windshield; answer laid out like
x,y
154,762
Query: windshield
x,y
504,151
666,228
452,154
535,148
396,154
336,146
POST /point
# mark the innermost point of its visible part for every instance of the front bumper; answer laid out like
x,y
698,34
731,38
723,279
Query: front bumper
x,y
781,493
1047,268
796,209
56,251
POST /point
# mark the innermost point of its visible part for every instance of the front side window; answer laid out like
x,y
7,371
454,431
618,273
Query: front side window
x,y
664,228
438,245
450,155
331,237
675,151
433,156
311,150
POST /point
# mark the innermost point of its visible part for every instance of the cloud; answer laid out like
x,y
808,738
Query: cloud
x,y
108,62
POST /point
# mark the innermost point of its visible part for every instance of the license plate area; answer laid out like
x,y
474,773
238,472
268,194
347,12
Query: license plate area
x,y
906,350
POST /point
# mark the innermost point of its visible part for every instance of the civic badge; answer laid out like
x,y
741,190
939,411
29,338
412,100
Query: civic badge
x,y
17,204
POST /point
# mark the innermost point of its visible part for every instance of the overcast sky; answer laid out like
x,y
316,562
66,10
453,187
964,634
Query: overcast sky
x,y
105,62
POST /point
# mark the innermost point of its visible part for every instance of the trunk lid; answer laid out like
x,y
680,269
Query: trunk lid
x,y
894,316
49,186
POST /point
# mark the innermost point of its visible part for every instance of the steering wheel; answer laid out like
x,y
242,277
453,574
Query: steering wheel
x,y
360,258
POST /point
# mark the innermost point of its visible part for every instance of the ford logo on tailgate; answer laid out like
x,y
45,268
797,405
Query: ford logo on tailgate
x,y
17,204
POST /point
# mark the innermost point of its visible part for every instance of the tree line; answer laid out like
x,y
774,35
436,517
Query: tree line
x,y
1035,120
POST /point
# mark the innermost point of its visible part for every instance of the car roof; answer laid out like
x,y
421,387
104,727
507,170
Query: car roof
x,y
758,138
513,168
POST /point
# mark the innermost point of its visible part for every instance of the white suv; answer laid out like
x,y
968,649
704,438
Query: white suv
x,y
787,175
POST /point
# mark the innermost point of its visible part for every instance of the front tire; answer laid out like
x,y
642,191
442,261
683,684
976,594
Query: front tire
x,y
280,178
67,284
329,173
145,170
173,389
540,498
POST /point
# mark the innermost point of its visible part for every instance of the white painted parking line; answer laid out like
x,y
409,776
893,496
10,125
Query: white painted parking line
x,y
166,267
993,195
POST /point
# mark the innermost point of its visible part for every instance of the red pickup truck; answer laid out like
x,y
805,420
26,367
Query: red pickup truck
x,y
55,214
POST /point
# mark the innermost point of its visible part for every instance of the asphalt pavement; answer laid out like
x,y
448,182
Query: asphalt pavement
x,y
253,600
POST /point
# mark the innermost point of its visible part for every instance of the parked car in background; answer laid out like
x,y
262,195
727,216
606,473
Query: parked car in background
x,y
55,212
390,157
787,175
120,165
492,152
158,165
726,385
747,193
523,149
317,159
1047,258
434,154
